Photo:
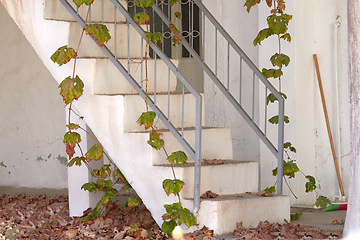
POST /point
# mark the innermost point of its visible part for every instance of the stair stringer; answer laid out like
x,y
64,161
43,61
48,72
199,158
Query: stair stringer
x,y
103,114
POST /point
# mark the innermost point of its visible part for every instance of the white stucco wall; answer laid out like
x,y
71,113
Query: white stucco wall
x,y
218,112
313,31
32,116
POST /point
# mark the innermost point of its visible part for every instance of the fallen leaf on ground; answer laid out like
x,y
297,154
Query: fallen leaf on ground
x,y
209,194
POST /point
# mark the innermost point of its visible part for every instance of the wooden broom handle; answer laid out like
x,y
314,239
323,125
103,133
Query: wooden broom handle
x,y
328,125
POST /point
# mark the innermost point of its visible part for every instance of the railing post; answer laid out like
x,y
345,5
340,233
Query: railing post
x,y
280,147
198,137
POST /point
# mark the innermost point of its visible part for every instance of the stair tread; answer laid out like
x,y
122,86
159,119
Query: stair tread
x,y
203,164
236,197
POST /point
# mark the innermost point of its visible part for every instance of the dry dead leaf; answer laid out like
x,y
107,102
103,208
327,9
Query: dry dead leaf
x,y
209,194
213,161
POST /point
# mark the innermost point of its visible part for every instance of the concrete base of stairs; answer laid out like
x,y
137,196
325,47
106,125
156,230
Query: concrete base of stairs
x,y
221,214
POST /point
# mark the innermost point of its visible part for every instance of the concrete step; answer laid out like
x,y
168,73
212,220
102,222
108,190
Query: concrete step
x,y
89,49
222,213
134,106
110,81
54,10
232,177
216,144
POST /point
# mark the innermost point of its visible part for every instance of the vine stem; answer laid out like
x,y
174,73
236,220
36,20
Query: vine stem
x,y
290,188
146,67
82,154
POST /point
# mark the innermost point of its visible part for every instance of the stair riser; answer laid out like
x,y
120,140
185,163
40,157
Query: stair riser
x,y
89,49
216,144
225,179
109,80
134,105
54,10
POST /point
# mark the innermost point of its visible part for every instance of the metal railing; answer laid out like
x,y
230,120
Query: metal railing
x,y
111,51
247,74
211,70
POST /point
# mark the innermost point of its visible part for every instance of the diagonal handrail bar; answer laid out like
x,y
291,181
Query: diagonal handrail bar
x,y
194,153
277,152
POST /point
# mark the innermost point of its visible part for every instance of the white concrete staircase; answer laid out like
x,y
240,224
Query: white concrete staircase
x,y
110,108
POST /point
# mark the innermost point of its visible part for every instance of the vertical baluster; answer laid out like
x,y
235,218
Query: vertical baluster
x,y
240,88
128,46
155,58
202,36
215,52
141,63
182,110
253,98
265,120
228,66
115,37
191,28
102,12
169,94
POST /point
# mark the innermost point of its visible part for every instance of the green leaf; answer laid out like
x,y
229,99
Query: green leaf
x,y
106,200
91,187
76,160
119,174
271,98
178,157
277,24
322,202
289,169
154,37
311,184
146,119
178,15
275,119
72,138
126,186
262,35
94,153
280,60
141,17
172,2
173,28
79,2
185,216
171,207
72,126
289,146
176,40
144,3
173,186
270,189
71,89
295,216
286,37
98,31
155,140
133,201
272,73
250,3
168,226
63,55
103,172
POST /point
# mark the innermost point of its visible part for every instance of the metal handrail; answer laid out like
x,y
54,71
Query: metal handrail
x,y
277,152
195,152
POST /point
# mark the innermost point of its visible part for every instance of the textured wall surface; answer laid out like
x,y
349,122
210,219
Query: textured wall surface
x,y
32,115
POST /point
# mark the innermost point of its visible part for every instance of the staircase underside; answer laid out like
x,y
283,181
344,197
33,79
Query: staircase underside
x,y
110,109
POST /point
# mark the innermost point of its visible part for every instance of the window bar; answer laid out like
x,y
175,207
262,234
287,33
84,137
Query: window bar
x,y
265,120
182,110
155,58
115,50
202,35
169,94
228,66
253,98
191,3
90,14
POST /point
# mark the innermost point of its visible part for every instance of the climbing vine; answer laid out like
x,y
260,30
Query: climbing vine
x,y
71,88
277,26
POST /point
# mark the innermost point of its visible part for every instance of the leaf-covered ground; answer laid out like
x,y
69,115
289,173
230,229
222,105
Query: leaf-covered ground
x,y
41,217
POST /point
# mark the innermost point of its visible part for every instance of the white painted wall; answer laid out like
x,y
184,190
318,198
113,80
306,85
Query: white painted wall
x,y
32,116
